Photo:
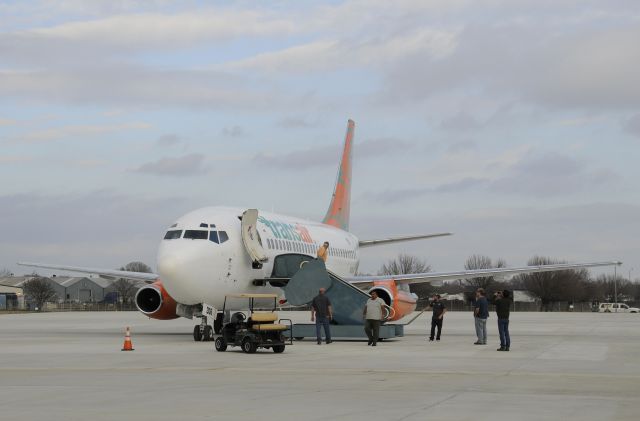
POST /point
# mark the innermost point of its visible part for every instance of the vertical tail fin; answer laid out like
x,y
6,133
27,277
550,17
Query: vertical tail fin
x,y
338,212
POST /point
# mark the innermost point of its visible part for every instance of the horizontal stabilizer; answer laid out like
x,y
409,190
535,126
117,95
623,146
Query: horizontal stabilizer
x,y
371,243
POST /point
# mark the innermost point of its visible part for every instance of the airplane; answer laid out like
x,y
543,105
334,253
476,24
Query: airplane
x,y
215,251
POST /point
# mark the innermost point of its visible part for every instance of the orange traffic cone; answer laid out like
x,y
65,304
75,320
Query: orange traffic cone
x,y
128,346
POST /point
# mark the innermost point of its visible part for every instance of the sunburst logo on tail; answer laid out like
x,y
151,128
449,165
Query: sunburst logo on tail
x,y
338,212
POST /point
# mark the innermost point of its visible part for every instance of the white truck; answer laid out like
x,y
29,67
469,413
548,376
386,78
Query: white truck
x,y
617,308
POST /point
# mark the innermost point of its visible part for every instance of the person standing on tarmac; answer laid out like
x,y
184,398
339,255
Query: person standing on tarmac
x,y
481,313
323,251
503,302
436,319
373,316
322,312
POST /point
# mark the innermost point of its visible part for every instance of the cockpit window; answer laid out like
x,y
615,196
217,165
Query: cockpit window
x,y
174,225
173,234
196,234
223,236
213,236
203,225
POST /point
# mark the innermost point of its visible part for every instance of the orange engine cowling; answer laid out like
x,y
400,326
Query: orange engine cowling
x,y
402,302
154,301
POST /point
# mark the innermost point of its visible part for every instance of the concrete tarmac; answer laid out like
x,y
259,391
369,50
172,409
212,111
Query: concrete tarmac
x,y
68,366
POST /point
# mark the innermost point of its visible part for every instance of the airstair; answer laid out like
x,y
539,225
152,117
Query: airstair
x,y
307,276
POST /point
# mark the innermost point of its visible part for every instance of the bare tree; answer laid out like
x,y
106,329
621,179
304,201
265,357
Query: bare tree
x,y
478,261
550,287
39,291
405,263
608,285
126,288
5,273
136,267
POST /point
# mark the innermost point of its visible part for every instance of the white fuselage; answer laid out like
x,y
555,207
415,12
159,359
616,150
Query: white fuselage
x,y
206,258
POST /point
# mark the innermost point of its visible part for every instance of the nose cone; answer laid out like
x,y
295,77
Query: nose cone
x,y
177,273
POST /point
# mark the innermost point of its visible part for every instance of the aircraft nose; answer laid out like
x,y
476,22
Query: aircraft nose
x,y
168,267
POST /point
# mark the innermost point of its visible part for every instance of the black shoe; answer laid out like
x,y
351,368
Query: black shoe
x,y
369,343
477,343
506,348
319,343
373,344
430,339
328,342
501,349
437,339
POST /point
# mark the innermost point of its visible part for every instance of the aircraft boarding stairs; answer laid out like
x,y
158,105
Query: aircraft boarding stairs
x,y
301,277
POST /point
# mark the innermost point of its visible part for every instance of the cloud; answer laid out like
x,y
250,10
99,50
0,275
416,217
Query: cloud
x,y
541,175
168,140
461,121
333,54
100,228
188,165
326,156
632,125
136,31
74,131
134,85
6,121
233,131
585,66
550,174
296,123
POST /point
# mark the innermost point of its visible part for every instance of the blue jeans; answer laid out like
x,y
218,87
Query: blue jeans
x,y
323,321
503,328
481,330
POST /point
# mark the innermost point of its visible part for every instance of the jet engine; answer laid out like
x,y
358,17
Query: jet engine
x,y
400,301
154,301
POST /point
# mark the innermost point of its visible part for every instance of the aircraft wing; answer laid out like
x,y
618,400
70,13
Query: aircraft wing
x,y
104,273
414,278
370,243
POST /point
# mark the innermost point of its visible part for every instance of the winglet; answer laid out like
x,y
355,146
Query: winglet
x,y
338,212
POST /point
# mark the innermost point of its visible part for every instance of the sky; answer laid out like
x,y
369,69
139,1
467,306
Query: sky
x,y
513,124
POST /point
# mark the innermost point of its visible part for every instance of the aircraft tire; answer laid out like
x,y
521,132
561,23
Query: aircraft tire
x,y
197,335
278,349
208,334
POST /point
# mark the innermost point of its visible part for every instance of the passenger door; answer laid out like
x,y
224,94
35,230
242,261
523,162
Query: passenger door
x,y
251,238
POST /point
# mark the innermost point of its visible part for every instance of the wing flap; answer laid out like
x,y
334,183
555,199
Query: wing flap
x,y
106,273
414,278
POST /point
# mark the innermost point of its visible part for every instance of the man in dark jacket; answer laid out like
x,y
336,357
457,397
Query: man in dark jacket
x,y
322,313
503,302
481,313
438,314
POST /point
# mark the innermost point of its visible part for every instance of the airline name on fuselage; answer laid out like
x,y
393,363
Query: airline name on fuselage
x,y
286,231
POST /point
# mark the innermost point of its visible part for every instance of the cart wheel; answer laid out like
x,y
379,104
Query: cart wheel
x,y
299,338
207,335
278,349
197,335
248,346
221,344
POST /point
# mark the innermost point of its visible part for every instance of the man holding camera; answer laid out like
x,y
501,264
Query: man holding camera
x,y
502,301
436,319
